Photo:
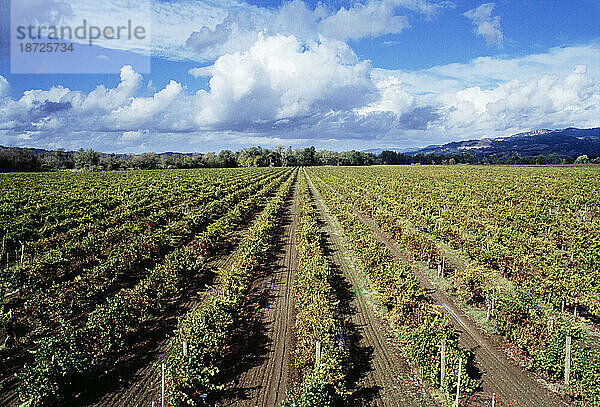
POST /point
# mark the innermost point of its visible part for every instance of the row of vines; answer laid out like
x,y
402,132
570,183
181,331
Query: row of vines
x,y
78,310
418,324
532,237
201,341
318,323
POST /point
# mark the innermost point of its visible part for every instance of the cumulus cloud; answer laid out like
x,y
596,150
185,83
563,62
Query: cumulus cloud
x,y
4,87
533,103
280,78
485,24
240,29
142,110
102,109
284,90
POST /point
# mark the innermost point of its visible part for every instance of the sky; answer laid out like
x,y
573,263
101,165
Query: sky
x,y
337,74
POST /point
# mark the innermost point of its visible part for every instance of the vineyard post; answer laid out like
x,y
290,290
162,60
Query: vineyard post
x,y
458,381
22,252
3,243
443,363
562,307
493,399
162,387
318,353
185,348
575,310
567,360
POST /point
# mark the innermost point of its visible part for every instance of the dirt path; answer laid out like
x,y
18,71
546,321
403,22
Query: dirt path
x,y
262,369
498,374
381,376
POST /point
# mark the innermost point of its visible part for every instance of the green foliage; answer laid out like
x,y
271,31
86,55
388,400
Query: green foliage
x,y
59,361
419,326
471,283
207,329
317,318
535,227
108,326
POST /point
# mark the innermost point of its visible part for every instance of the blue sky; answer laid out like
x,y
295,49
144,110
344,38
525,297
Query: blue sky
x,y
337,74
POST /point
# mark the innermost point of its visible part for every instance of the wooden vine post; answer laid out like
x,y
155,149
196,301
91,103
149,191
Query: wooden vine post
x,y
318,353
443,363
162,387
568,360
458,382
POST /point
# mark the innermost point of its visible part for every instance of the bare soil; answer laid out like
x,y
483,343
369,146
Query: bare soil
x,y
260,369
379,375
498,373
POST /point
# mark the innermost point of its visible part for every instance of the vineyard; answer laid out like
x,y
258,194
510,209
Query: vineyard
x,y
433,285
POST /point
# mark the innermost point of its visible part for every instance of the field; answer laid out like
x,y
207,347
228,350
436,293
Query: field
x,y
301,287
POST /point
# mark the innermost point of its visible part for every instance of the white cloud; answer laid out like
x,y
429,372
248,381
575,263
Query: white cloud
x,y
143,110
242,27
4,87
369,20
106,100
539,102
485,24
282,88
206,30
279,78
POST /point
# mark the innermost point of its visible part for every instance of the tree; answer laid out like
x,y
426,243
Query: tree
x,y
86,159
553,159
145,161
306,157
290,158
110,163
18,159
227,159
541,159
329,158
210,160
582,159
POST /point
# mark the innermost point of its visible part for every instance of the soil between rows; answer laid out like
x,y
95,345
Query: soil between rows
x,y
499,375
379,375
260,368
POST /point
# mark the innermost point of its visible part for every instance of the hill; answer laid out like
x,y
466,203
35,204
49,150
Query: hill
x,y
570,142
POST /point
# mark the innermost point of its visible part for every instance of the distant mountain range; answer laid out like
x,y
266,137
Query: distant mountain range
x,y
570,142
40,151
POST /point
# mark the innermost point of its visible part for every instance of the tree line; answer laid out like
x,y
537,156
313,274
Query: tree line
x,y
25,160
